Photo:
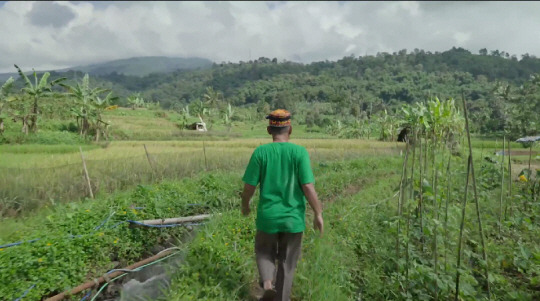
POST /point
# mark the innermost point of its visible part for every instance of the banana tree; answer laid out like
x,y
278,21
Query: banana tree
x,y
229,112
19,110
84,97
136,101
387,125
36,91
4,91
99,106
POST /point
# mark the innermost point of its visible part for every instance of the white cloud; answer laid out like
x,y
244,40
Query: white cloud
x,y
461,38
62,34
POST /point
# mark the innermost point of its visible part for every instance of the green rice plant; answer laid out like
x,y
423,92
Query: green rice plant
x,y
32,179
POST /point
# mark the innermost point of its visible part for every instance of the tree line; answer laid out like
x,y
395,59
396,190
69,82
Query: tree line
x,y
502,90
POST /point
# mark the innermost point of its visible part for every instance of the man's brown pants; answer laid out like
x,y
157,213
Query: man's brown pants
x,y
286,248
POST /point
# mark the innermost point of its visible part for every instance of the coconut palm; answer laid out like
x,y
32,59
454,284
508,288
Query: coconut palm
x,y
37,91
213,99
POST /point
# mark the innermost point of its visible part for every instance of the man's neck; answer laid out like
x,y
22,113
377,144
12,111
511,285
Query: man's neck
x,y
280,138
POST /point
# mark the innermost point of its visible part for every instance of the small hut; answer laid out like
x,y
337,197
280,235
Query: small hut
x,y
198,126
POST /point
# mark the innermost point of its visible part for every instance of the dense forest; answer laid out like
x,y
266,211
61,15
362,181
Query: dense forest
x,y
502,90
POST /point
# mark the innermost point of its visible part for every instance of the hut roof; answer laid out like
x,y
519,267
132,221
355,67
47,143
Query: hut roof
x,y
529,139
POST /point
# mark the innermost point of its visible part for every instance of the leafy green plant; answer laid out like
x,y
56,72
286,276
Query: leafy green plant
x,y
36,91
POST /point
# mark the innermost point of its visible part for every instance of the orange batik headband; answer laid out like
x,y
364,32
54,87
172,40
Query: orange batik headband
x,y
279,118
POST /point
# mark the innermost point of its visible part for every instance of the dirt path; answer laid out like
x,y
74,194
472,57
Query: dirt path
x,y
352,189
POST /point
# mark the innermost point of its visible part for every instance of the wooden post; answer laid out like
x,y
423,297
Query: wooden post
x,y
149,161
86,174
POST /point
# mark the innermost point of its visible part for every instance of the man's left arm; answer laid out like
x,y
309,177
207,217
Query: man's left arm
x,y
246,195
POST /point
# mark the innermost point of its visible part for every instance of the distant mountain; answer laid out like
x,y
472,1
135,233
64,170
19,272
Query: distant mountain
x,y
141,66
136,66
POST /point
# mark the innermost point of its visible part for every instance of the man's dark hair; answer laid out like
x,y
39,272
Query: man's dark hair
x,y
274,130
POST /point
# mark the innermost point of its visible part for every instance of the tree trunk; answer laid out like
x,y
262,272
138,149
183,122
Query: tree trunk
x,y
1,126
85,127
33,118
24,125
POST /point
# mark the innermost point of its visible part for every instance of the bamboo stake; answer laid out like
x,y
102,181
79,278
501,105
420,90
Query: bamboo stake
x,y
446,212
435,255
509,182
530,156
107,277
176,220
411,197
205,160
420,201
425,154
149,161
461,226
502,188
475,191
400,203
86,174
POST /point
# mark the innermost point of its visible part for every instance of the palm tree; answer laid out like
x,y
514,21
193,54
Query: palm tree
x,y
36,91
4,91
213,98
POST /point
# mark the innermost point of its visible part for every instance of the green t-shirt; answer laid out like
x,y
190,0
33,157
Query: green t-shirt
x,y
281,168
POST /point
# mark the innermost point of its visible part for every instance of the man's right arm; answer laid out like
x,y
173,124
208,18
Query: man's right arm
x,y
313,200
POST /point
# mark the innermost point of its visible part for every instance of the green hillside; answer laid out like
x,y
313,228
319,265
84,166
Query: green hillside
x,y
135,66
502,89
141,66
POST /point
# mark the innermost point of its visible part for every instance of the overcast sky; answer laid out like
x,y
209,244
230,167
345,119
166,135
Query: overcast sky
x,y
50,35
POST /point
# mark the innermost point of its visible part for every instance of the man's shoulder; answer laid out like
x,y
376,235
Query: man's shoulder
x,y
298,148
289,145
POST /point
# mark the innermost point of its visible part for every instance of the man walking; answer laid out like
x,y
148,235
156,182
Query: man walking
x,y
284,172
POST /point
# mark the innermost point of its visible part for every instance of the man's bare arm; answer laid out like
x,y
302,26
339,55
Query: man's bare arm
x,y
313,200
247,194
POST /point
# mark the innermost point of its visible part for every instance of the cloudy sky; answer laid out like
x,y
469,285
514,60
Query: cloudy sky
x,y
49,35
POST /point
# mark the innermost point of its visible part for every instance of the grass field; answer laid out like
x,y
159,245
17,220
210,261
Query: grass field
x,y
31,179
216,190
358,182
44,194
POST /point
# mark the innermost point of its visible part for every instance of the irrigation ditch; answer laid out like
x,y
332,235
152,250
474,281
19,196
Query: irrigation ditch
x,y
146,279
